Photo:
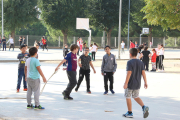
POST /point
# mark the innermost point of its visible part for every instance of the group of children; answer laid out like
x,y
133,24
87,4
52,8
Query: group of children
x,y
32,72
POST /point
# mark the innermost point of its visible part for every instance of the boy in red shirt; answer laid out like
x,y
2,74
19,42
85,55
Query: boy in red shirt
x,y
153,60
44,43
132,45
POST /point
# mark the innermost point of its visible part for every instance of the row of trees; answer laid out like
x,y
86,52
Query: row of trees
x,y
58,17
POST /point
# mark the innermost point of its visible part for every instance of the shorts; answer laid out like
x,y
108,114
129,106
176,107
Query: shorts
x,y
133,93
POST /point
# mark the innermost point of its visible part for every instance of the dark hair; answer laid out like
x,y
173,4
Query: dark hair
x,y
87,48
43,37
32,51
146,48
133,52
153,50
107,46
130,40
22,46
73,46
3,36
161,45
91,45
24,37
25,45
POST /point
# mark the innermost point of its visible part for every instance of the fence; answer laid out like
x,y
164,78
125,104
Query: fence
x,y
57,41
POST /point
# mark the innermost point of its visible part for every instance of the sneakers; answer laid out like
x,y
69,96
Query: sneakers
x,y
127,115
68,98
17,90
76,89
112,91
38,107
88,91
30,106
153,70
106,92
145,111
25,89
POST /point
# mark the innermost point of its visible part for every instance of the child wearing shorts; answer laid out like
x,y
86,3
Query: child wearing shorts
x,y
135,69
32,73
71,71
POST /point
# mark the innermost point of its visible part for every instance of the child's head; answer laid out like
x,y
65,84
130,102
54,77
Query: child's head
x,y
37,46
135,42
153,50
42,37
130,41
133,52
66,46
11,37
107,49
3,37
161,45
33,51
91,45
145,48
138,50
86,52
84,44
23,49
74,48
24,37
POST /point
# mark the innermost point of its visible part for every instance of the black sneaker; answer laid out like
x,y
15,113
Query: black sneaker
x,y
68,98
88,91
63,93
38,107
76,89
30,106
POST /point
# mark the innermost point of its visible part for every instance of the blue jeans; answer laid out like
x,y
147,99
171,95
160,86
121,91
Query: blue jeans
x,y
20,76
4,46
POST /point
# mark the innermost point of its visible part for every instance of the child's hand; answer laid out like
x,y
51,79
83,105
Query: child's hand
x,y
25,79
94,71
145,85
102,74
56,69
64,68
44,80
80,65
125,86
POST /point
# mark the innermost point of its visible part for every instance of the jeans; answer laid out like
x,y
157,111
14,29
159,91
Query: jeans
x,y
108,76
11,45
4,47
20,76
146,65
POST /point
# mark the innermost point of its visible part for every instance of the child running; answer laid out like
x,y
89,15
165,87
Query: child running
x,y
108,68
85,60
135,69
153,60
65,52
23,56
32,73
71,70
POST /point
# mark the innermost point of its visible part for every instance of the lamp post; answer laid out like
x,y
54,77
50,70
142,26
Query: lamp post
x,y
128,25
2,21
119,33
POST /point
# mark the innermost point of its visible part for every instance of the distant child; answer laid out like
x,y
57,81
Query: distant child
x,y
32,73
135,69
11,41
84,64
90,50
84,47
4,43
153,60
108,68
37,46
139,56
23,56
65,52
123,46
71,70
146,54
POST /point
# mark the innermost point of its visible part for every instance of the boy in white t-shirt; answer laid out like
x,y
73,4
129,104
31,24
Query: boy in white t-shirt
x,y
32,76
123,46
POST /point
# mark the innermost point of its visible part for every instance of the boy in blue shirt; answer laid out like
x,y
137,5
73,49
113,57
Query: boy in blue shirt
x,y
32,73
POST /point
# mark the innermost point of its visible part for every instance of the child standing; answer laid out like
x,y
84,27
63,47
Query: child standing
x,y
145,59
71,70
132,84
4,43
90,50
108,68
123,46
153,60
85,60
23,56
11,41
32,73
65,52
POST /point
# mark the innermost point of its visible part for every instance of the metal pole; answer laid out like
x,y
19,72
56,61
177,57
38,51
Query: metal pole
x,y
140,40
128,25
2,21
115,42
27,40
119,33
152,41
59,41
74,39
104,38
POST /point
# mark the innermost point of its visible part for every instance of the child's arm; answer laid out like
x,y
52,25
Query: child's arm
x,y
79,60
145,80
60,64
25,72
115,65
92,66
127,79
102,66
41,73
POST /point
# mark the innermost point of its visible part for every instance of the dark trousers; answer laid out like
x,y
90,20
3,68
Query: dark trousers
x,y
161,58
78,52
11,45
83,73
123,50
4,47
45,46
21,76
93,55
20,43
72,82
65,63
108,76
146,65
157,62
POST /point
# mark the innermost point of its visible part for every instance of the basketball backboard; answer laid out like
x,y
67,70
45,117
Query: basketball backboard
x,y
145,31
82,23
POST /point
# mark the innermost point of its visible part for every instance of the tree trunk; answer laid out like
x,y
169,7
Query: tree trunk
x,y
13,35
65,33
149,37
109,37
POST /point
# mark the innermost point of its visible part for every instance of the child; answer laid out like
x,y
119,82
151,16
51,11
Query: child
x,y
4,43
32,73
108,68
139,56
11,41
146,54
84,47
37,46
135,69
123,46
90,50
153,60
23,56
71,70
85,69
65,52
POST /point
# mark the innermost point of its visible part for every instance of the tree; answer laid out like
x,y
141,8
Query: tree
x,y
163,12
62,14
19,13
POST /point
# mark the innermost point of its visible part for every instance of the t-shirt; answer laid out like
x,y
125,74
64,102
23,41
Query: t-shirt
x,y
90,51
145,55
32,71
122,45
22,59
132,45
94,47
44,41
153,59
136,66
138,56
4,41
85,62
72,61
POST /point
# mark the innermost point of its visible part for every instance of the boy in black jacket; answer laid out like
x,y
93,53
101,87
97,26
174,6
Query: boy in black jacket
x,y
65,52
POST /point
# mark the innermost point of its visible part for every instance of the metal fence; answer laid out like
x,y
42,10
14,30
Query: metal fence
x,y
57,41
